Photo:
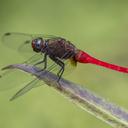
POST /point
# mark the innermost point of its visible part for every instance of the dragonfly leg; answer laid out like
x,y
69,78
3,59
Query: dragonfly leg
x,y
43,61
61,71
61,64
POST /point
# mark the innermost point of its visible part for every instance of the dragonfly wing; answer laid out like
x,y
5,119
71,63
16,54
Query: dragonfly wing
x,y
34,83
12,78
35,58
15,40
16,77
70,65
22,41
44,36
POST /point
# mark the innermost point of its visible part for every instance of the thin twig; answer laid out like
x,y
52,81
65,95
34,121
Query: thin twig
x,y
96,105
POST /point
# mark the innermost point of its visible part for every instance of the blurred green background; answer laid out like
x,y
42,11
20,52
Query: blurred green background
x,y
98,27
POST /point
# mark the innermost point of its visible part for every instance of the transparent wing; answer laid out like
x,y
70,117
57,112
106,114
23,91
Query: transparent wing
x,y
11,78
36,82
17,41
22,41
32,84
69,67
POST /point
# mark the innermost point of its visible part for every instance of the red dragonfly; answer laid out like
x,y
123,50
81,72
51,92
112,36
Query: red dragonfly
x,y
56,48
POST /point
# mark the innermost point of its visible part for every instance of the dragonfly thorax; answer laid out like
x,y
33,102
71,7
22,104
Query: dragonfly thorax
x,y
38,44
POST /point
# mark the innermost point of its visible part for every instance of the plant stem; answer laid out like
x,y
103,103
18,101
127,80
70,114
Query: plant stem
x,y
90,102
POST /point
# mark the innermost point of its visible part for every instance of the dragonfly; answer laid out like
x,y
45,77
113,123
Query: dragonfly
x,y
57,49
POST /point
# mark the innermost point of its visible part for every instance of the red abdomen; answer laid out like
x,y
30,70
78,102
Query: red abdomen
x,y
83,57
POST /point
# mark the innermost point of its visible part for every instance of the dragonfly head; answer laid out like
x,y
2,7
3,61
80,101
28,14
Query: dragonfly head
x,y
37,44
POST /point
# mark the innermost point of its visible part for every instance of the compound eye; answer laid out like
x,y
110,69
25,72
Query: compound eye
x,y
38,43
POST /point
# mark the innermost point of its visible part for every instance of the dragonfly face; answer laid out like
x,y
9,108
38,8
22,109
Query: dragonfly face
x,y
37,44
